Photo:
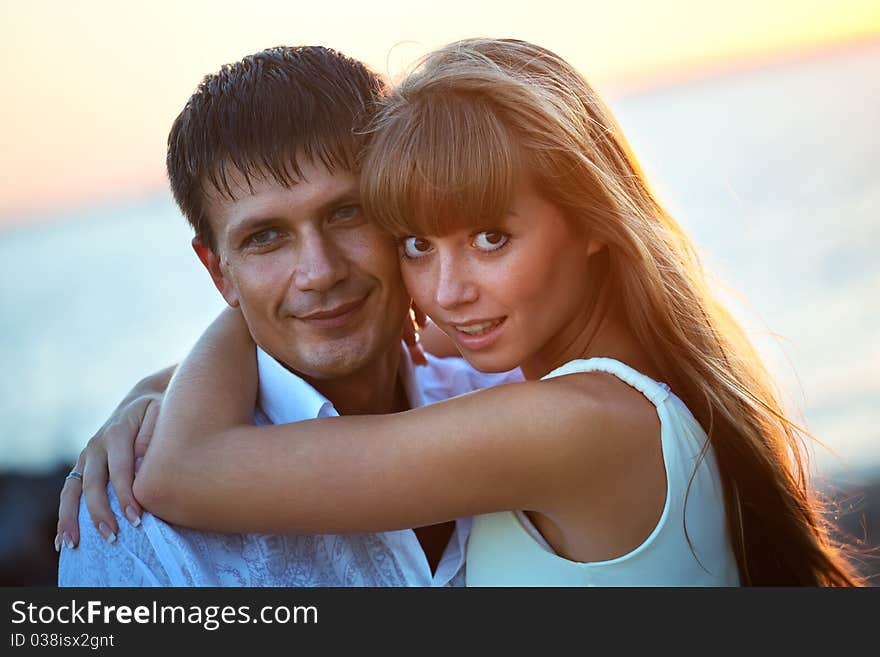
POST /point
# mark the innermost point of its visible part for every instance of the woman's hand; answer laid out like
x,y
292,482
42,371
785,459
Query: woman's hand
x,y
115,452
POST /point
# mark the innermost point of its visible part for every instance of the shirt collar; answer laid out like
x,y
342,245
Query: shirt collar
x,y
286,397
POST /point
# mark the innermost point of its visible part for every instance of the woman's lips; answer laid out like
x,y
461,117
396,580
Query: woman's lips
x,y
478,334
334,317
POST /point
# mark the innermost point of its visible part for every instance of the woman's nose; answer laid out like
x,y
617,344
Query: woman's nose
x,y
455,285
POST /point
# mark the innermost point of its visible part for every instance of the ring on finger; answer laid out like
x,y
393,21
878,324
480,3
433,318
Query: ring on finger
x,y
74,474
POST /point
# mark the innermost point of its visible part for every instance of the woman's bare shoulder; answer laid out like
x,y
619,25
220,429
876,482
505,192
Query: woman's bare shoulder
x,y
599,412
573,402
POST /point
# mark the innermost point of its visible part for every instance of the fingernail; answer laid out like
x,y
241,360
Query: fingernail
x,y
108,535
57,543
67,540
137,463
132,516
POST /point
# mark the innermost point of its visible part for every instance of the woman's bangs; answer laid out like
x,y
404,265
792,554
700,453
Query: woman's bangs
x,y
443,163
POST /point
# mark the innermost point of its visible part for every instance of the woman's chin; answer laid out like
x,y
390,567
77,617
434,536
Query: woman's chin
x,y
489,363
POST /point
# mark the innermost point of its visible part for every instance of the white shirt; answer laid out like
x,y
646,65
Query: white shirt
x,y
160,554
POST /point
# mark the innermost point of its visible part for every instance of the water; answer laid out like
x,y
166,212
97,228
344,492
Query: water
x,y
89,306
772,172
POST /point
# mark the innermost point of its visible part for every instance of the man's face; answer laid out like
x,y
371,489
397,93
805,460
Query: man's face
x,y
318,284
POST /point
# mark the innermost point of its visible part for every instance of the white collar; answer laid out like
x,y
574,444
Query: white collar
x,y
286,397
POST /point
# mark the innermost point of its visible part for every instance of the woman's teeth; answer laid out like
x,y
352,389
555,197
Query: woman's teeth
x,y
479,328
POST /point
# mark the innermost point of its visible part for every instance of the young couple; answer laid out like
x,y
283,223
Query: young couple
x,y
645,445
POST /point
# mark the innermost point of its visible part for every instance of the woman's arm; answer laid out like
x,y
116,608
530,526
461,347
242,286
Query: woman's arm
x,y
515,446
370,473
215,387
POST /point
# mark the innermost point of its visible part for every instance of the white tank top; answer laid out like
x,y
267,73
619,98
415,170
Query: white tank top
x,y
505,549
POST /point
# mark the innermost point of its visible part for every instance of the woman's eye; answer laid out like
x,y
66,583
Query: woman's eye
x,y
264,237
415,247
490,240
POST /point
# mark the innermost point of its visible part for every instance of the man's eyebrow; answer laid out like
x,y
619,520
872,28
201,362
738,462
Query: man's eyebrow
x,y
250,224
346,197
259,220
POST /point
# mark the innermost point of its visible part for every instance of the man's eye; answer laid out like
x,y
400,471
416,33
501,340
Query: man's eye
x,y
490,240
415,247
263,238
346,213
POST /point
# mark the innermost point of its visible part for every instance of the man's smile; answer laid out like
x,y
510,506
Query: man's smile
x,y
334,317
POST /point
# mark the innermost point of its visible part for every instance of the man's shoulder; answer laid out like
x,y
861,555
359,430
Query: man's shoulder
x,y
131,560
447,377
154,554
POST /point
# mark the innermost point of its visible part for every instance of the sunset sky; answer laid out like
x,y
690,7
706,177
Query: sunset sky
x,y
90,88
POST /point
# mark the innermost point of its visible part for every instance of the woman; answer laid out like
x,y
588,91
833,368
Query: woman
x,y
647,445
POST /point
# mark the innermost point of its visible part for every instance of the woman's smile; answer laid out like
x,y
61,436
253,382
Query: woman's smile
x,y
478,334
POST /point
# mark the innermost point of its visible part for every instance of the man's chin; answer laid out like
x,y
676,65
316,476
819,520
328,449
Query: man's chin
x,y
323,363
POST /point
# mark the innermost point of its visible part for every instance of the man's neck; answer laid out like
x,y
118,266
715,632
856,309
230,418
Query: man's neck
x,y
374,389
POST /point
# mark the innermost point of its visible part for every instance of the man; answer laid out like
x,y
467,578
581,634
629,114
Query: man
x,y
262,163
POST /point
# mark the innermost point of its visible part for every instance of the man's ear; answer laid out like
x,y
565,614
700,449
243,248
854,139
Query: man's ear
x,y
211,261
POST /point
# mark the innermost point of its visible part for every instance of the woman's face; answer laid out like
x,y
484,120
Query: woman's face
x,y
509,295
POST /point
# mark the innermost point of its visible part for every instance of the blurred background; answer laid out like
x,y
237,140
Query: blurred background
x,y
757,121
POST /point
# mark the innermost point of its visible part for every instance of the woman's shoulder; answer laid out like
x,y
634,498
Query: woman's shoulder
x,y
597,388
592,431
572,394
600,412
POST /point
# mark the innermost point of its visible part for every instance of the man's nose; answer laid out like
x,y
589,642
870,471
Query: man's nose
x,y
321,264
455,285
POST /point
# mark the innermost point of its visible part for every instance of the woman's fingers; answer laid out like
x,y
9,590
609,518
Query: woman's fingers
x,y
119,445
95,488
124,446
67,530
145,434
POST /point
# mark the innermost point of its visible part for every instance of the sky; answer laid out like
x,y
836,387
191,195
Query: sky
x,y
90,88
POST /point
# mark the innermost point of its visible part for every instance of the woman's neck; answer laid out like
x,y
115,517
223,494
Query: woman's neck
x,y
599,330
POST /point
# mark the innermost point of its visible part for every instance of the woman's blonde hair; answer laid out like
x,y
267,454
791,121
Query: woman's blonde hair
x,y
447,149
